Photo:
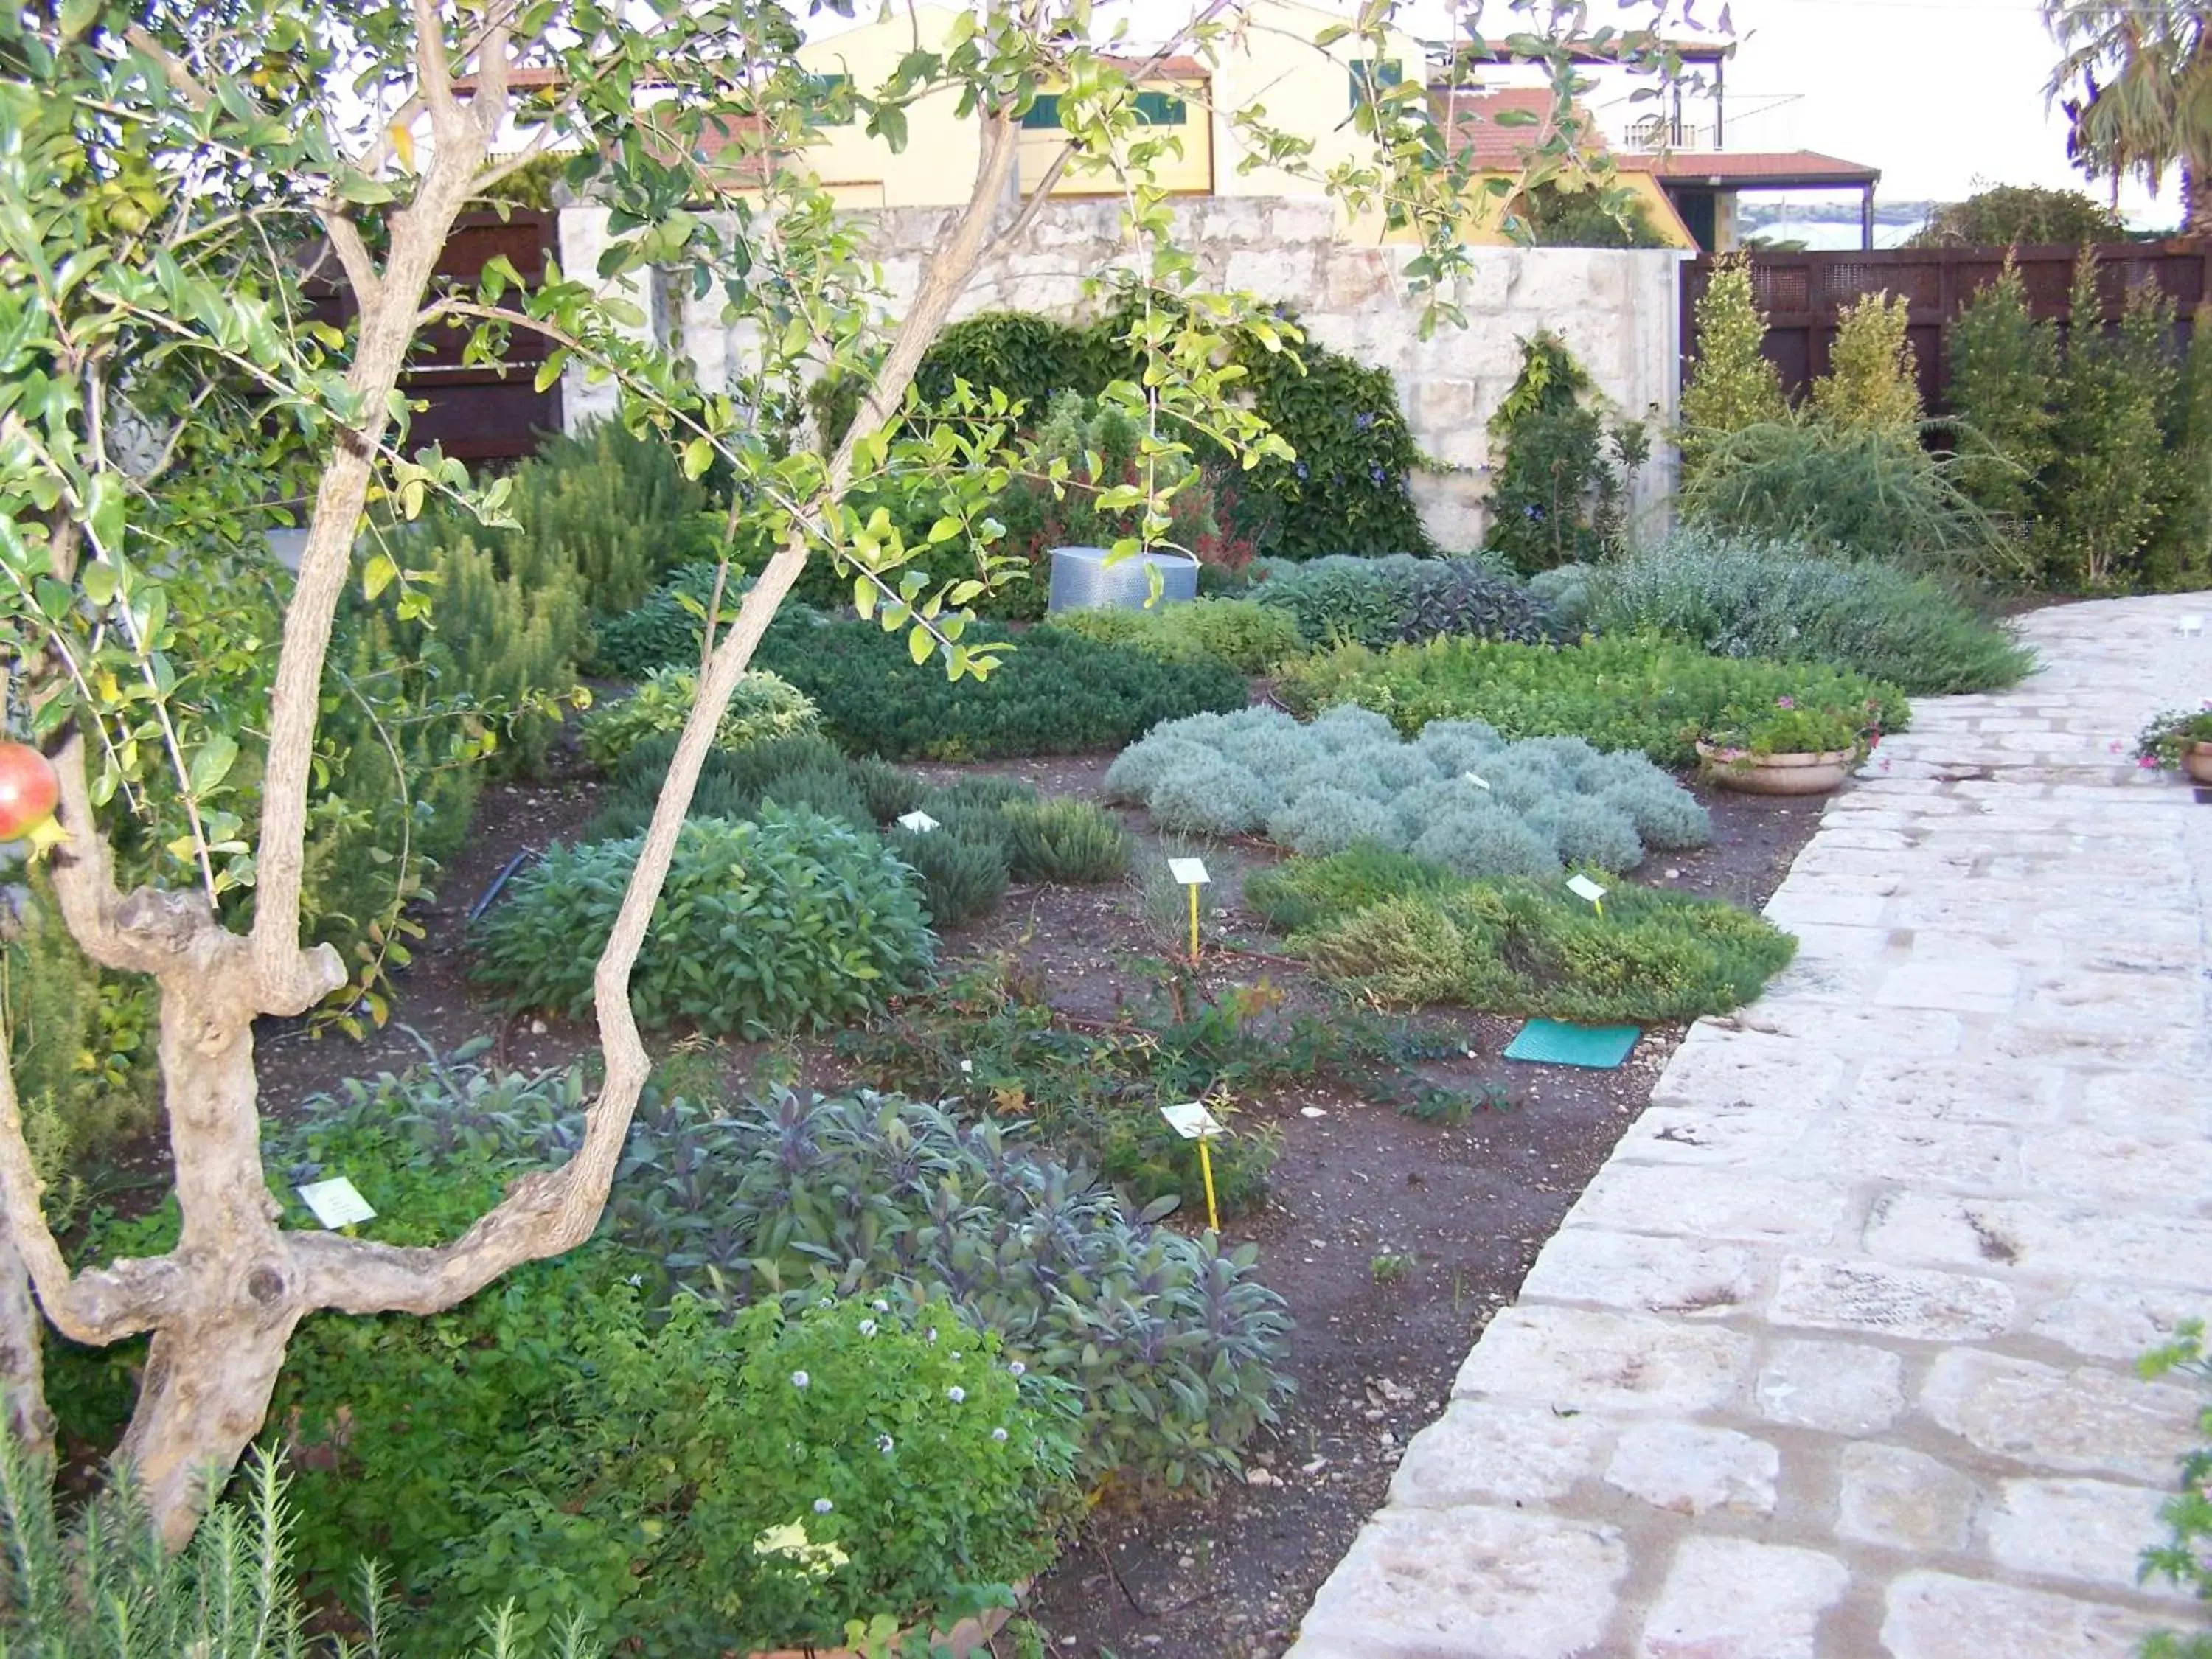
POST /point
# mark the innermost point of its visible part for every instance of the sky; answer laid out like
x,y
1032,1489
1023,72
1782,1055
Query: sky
x,y
1940,94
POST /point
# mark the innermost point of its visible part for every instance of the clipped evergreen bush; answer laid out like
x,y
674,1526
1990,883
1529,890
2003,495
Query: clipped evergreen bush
x,y
1615,692
790,923
762,707
667,628
1474,802
1054,693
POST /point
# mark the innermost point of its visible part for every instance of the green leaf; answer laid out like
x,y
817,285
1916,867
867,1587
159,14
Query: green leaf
x,y
698,456
378,575
918,644
212,763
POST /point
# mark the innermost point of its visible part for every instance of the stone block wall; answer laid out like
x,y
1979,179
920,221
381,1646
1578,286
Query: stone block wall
x,y
1615,309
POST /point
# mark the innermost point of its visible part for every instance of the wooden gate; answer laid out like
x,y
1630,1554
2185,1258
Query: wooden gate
x,y
1803,294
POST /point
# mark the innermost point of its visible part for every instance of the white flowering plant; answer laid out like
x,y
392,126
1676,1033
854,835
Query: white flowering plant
x,y
900,1466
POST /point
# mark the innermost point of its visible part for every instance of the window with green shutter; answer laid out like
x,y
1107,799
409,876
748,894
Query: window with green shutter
x,y
1044,113
1161,109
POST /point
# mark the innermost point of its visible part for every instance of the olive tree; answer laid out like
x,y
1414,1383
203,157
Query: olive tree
x,y
173,181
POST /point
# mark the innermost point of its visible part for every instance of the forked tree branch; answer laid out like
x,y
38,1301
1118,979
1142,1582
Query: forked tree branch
x,y
552,1211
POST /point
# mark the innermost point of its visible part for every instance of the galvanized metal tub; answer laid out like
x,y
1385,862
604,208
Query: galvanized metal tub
x,y
1081,578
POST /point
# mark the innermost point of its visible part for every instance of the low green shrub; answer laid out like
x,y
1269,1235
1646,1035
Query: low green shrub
x,y
606,1471
1054,693
991,830
1458,792
1066,840
1748,598
793,922
786,1474
1523,947
666,629
1301,892
961,865
1248,637
106,1584
1863,491
1620,692
599,510
762,707
1396,599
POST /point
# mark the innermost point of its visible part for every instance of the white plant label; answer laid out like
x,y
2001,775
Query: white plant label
x,y
1478,780
968,1068
1584,888
2190,624
1188,872
918,821
337,1203
1191,1120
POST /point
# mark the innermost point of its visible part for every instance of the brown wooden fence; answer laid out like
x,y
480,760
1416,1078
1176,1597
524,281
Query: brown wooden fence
x,y
478,412
1803,294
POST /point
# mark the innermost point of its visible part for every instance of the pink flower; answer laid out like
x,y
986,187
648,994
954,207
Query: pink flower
x,y
1785,703
2114,747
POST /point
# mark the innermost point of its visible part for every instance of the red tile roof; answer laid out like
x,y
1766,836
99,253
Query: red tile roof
x,y
1473,114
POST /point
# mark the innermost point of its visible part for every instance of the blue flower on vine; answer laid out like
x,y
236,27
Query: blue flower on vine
x,y
1533,512
1375,473
1361,422
1301,469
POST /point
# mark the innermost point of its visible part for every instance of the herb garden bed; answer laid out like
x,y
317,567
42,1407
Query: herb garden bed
x,y
1392,1238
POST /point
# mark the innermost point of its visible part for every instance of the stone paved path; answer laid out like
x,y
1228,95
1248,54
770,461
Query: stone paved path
x,y
1834,1357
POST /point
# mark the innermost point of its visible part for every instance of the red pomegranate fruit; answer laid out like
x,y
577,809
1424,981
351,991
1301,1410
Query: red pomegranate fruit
x,y
29,792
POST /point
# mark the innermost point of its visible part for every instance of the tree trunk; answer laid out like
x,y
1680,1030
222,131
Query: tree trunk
x,y
217,1351
22,1377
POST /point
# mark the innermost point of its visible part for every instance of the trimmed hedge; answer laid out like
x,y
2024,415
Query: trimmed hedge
x,y
1055,693
1620,692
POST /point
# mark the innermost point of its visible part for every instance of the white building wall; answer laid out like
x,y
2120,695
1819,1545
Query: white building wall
x,y
1616,310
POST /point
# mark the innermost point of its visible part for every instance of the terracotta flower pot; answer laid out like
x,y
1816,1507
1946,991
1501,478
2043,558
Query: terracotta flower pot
x,y
967,1637
2197,761
1777,774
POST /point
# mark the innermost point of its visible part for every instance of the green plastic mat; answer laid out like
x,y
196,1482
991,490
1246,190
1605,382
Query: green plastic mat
x,y
1553,1042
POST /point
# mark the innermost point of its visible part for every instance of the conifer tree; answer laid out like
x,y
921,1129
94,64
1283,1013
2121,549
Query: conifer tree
x,y
1732,386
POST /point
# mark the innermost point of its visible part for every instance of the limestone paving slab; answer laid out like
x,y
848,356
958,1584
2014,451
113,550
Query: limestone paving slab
x,y
1834,1358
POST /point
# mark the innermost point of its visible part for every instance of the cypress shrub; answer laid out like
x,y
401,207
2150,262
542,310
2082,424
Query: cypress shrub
x,y
1870,385
2004,367
2102,506
1732,386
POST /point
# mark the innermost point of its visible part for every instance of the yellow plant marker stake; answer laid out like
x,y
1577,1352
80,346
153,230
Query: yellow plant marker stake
x,y
1191,873
1584,888
1194,1122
